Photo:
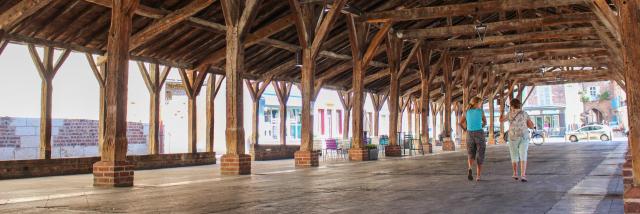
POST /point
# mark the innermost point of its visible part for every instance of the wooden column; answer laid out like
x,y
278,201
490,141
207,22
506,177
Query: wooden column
x,y
416,118
312,32
113,170
47,70
346,99
426,78
441,124
99,70
466,96
283,90
237,19
409,107
448,63
362,53
213,86
154,80
192,81
378,101
492,98
434,119
256,88
394,53
629,19
501,102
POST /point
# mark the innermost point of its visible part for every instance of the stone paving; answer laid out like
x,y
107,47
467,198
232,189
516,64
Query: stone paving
x,y
563,178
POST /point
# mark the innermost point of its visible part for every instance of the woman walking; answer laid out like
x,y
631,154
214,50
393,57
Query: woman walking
x,y
519,125
472,121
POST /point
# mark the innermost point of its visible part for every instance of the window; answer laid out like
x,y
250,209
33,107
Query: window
x,y
593,93
339,113
544,96
321,114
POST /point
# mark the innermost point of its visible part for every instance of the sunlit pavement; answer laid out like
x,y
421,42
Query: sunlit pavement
x,y
563,178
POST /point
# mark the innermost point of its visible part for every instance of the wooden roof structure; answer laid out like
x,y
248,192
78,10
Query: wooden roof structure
x,y
522,38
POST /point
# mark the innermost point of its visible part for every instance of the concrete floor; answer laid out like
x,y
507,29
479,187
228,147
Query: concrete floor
x,y
563,178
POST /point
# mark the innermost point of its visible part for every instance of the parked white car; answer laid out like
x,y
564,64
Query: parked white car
x,y
590,132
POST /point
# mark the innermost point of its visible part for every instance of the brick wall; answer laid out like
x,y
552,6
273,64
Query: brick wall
x,y
67,166
262,152
19,138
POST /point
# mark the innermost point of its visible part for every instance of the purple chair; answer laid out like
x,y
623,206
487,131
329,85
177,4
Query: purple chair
x,y
330,145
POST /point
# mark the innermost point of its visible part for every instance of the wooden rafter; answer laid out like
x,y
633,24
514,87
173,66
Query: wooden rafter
x,y
493,40
461,9
515,24
167,22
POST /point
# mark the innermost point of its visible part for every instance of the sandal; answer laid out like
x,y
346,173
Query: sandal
x,y
470,175
515,177
523,179
478,179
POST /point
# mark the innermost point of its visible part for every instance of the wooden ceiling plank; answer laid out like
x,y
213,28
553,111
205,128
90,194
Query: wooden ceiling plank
x,y
19,12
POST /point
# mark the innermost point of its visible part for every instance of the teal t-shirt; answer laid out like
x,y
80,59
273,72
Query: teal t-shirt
x,y
474,119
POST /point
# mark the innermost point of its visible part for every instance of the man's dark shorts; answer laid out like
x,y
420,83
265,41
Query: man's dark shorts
x,y
476,145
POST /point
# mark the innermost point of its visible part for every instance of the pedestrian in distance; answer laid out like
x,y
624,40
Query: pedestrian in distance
x,y
519,136
473,121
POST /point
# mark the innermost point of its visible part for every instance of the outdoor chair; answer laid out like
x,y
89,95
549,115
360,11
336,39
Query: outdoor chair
x,y
331,147
317,146
407,144
384,141
416,145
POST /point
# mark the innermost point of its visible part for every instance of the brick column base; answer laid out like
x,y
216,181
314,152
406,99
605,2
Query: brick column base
x,y
428,148
307,159
361,154
233,164
448,145
392,151
631,198
627,174
113,174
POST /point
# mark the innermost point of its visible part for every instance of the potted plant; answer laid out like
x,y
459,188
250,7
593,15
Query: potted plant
x,y
373,151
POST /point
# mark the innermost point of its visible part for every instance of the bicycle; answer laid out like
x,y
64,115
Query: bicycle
x,y
538,137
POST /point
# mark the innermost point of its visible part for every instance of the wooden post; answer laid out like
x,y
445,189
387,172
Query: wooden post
x,y
491,100
466,93
362,54
113,170
502,102
212,90
283,90
312,32
426,78
448,144
416,118
394,53
434,119
410,109
346,99
192,81
99,70
256,88
47,70
629,19
154,80
237,19
378,101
